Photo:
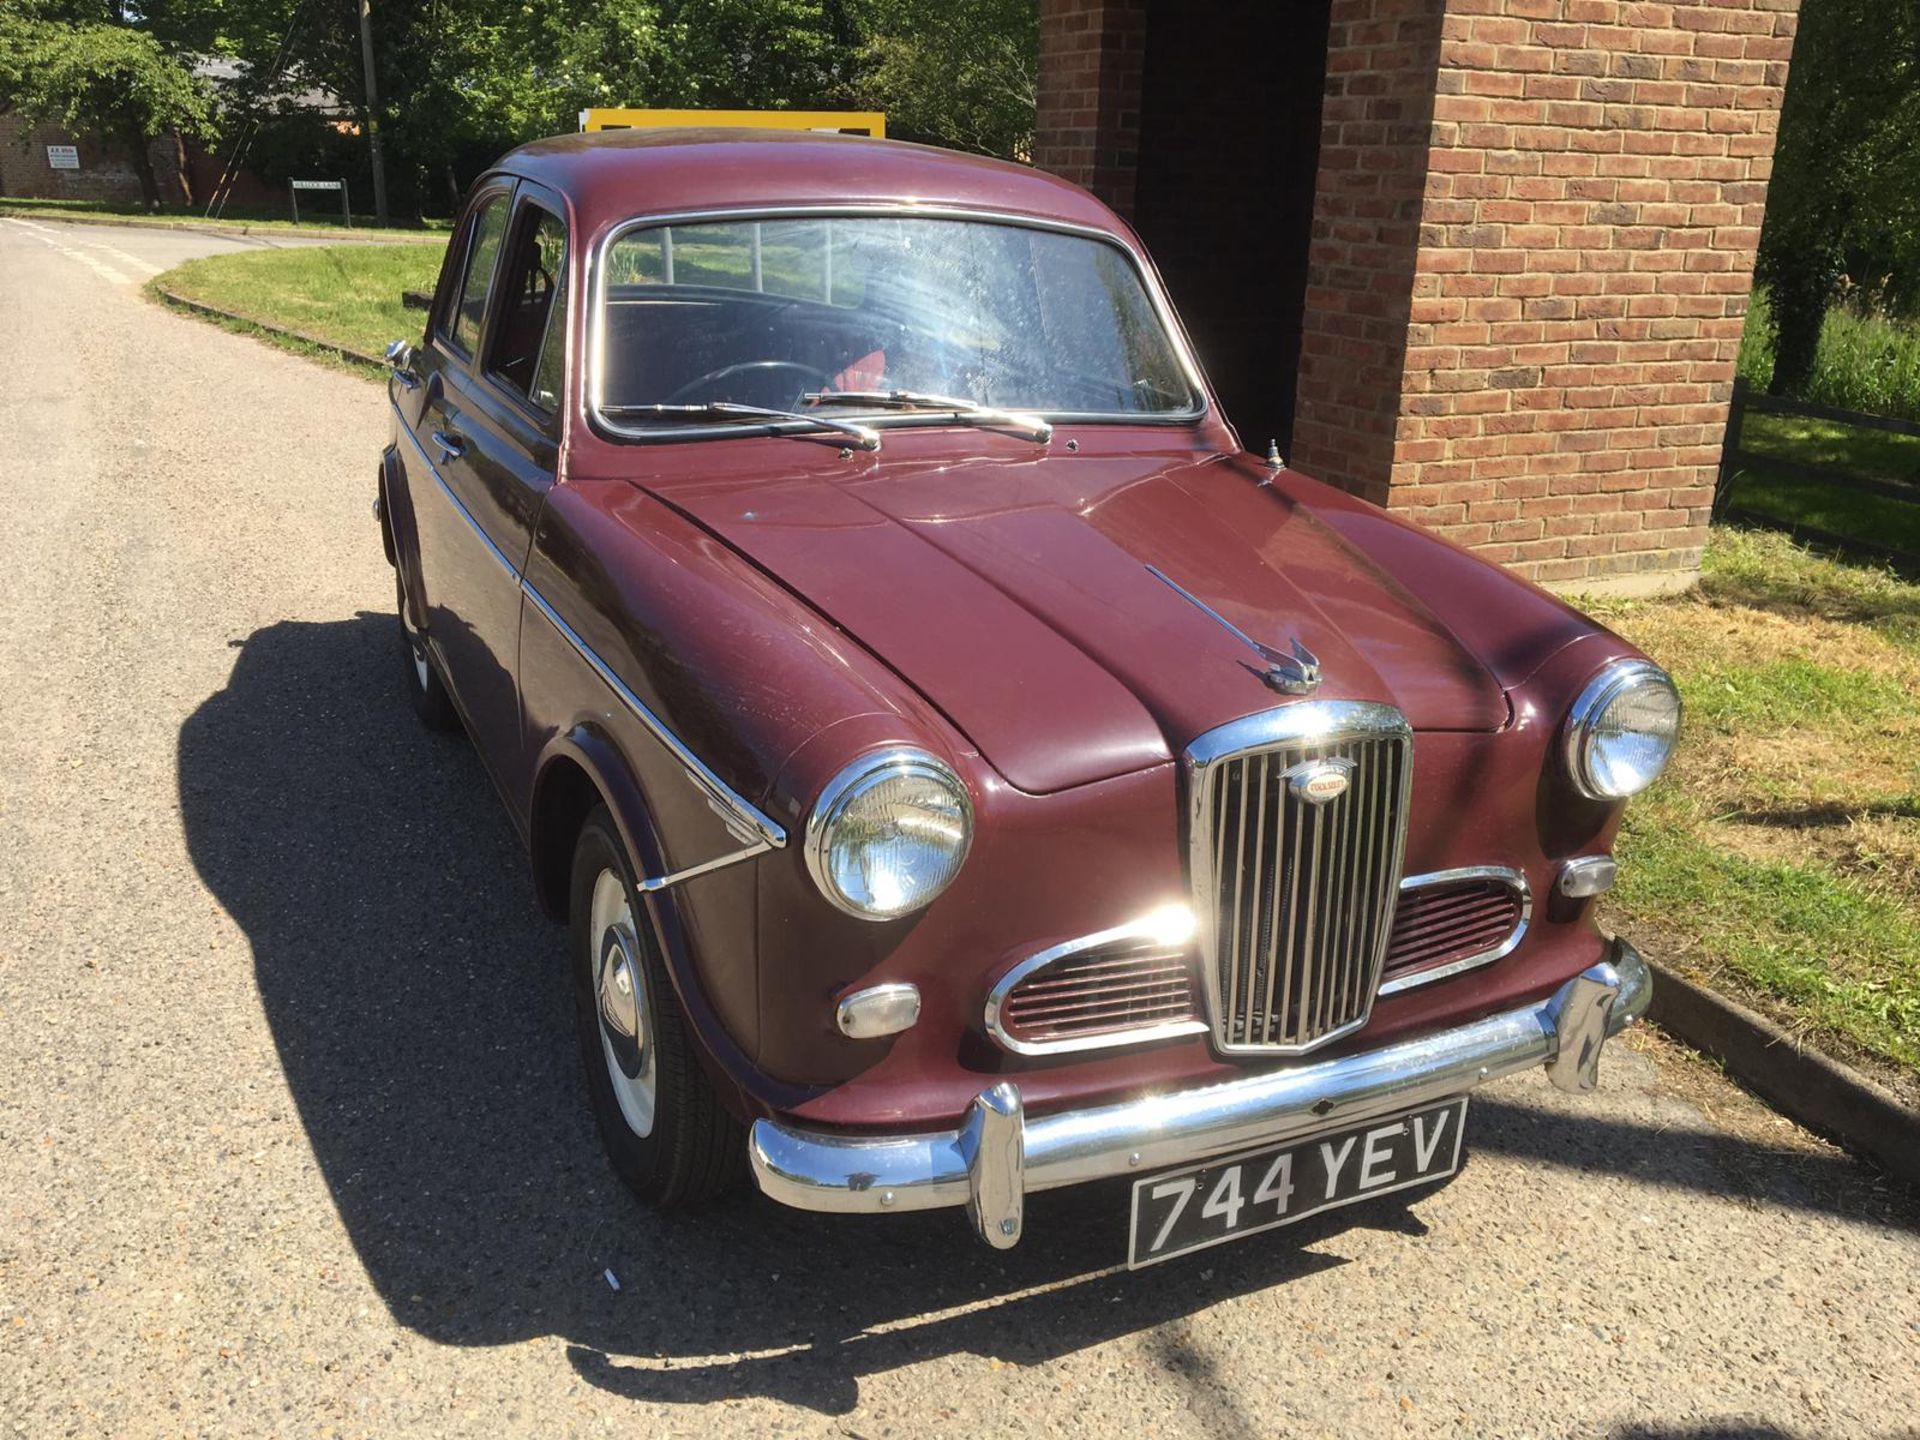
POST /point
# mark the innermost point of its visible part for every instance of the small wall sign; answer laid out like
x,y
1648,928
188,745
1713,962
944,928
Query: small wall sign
x,y
63,157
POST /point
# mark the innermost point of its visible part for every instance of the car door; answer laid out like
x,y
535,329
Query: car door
x,y
488,428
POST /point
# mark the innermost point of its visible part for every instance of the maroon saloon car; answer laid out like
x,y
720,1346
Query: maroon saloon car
x,y
965,770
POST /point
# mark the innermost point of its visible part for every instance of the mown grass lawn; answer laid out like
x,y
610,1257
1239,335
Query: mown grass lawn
x,y
1850,514
317,216
1780,858
345,294
1852,450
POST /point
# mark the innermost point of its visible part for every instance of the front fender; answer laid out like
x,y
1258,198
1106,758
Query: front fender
x,y
712,964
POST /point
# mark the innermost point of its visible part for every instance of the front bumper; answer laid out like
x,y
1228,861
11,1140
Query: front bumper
x,y
998,1155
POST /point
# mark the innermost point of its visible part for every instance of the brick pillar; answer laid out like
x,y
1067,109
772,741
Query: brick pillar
x,y
1087,129
1375,137
1534,233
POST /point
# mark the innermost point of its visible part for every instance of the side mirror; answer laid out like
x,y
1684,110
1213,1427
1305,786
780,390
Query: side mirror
x,y
400,361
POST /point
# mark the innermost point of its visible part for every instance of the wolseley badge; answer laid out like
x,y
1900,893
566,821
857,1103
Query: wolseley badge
x,y
1318,781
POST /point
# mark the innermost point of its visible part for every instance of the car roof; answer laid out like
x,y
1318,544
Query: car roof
x,y
614,175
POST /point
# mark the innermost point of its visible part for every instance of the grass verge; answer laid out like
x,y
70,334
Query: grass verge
x,y
1780,860
346,295
1776,490
1874,454
1856,514
251,219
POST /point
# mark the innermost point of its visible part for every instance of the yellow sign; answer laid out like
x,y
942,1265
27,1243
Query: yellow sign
x,y
834,122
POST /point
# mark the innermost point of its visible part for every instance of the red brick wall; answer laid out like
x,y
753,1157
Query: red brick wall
x,y
1568,309
104,174
1088,125
1375,135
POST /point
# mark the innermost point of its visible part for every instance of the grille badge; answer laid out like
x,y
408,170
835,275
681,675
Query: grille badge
x,y
1319,781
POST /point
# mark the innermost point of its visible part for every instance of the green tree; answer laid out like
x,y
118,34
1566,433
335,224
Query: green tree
x,y
95,77
960,73
1844,203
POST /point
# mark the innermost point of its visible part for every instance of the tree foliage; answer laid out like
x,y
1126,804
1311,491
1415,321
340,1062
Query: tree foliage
x,y
461,81
961,75
94,76
1843,209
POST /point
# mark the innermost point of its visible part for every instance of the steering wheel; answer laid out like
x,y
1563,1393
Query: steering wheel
x,y
814,379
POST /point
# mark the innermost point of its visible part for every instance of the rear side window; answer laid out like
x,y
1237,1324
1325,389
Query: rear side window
x,y
529,338
488,228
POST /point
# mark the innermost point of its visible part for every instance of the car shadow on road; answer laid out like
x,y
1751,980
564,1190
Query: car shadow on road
x,y
419,1005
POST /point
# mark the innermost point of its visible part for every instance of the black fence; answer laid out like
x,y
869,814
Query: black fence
x,y
1734,459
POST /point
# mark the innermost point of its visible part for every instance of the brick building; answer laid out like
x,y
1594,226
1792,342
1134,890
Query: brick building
x,y
1481,261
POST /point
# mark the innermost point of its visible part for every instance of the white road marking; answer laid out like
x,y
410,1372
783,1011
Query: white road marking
x,y
46,237
122,256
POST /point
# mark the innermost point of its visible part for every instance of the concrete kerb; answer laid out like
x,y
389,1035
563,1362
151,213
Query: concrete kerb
x,y
1802,1083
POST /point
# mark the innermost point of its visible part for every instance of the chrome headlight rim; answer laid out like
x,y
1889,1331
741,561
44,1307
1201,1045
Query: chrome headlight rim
x,y
848,784
1606,687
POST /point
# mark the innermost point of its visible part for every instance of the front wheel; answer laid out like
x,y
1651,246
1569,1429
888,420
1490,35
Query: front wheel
x,y
663,1127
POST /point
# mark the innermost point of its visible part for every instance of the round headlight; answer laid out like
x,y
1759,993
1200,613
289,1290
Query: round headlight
x,y
889,833
1622,729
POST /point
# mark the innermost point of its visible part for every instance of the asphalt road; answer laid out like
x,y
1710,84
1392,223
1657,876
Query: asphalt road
x,y
291,1138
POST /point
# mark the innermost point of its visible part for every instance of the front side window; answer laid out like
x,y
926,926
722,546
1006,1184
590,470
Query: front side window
x,y
786,313
529,338
489,225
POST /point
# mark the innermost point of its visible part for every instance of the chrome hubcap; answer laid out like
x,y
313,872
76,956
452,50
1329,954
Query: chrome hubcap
x,y
622,1003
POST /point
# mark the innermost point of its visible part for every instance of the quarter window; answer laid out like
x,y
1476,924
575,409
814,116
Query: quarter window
x,y
488,227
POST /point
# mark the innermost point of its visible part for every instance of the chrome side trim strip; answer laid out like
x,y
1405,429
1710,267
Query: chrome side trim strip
x,y
865,1173
745,821
1504,873
1148,927
595,289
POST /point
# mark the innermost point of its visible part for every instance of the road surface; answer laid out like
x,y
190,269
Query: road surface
x,y
291,1140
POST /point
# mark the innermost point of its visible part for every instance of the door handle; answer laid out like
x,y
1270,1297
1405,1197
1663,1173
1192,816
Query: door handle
x,y
452,447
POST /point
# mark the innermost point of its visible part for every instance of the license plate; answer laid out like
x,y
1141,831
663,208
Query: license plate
x,y
1243,1194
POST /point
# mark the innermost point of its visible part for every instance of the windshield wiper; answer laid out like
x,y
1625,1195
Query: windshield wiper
x,y
1021,423
864,435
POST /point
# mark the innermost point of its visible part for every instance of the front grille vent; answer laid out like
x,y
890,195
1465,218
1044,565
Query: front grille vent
x,y
1296,898
1454,921
1102,994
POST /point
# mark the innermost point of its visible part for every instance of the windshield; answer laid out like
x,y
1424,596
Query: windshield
x,y
780,314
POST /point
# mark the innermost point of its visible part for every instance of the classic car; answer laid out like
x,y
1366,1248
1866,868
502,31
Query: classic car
x,y
964,770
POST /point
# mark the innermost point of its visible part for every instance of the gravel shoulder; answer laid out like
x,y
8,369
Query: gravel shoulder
x,y
290,1138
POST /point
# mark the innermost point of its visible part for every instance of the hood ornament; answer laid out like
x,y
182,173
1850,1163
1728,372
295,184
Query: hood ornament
x,y
1291,674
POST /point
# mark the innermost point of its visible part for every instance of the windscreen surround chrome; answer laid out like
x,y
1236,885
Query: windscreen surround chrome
x,y
595,369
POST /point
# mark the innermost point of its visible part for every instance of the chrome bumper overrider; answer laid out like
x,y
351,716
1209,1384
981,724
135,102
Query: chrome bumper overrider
x,y
998,1155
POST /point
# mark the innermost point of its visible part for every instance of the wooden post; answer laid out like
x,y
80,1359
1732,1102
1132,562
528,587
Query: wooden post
x,y
373,117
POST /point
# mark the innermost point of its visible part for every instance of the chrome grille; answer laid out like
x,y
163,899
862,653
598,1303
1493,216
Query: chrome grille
x,y
1295,899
